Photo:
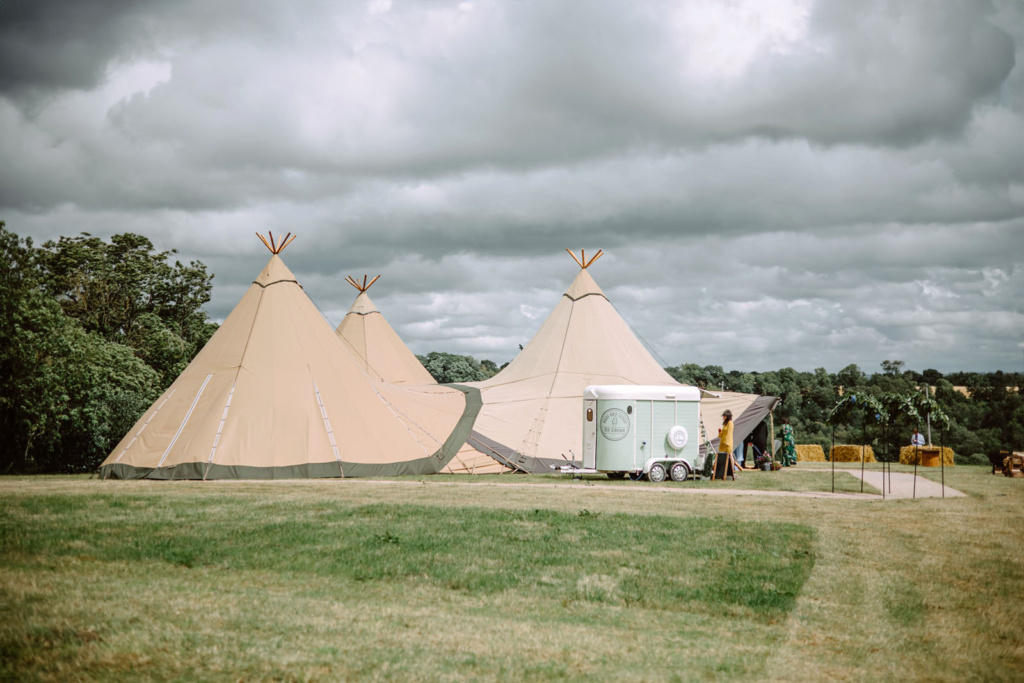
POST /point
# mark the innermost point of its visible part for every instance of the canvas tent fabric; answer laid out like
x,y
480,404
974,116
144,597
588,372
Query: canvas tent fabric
x,y
275,393
383,354
748,410
478,457
471,460
531,417
378,347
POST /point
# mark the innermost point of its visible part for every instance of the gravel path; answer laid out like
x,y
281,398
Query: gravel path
x,y
902,485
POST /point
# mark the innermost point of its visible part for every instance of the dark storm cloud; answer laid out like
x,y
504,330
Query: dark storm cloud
x,y
893,73
776,183
258,90
50,45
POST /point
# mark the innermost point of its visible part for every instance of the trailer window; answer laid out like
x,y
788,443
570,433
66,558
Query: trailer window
x,y
590,414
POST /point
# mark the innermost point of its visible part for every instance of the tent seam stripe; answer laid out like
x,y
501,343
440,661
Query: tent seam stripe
x,y
188,415
143,427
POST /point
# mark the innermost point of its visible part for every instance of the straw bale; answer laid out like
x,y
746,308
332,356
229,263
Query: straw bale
x,y
907,455
1013,465
811,452
850,453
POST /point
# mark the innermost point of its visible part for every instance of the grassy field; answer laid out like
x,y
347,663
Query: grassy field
x,y
501,578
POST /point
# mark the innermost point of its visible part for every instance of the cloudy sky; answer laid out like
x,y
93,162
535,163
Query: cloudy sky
x,y
774,183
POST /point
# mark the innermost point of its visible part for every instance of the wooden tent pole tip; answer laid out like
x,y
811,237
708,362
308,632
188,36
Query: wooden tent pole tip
x,y
574,258
265,242
361,287
273,245
581,260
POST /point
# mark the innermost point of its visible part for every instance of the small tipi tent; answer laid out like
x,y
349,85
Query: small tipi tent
x,y
382,352
384,355
276,394
532,413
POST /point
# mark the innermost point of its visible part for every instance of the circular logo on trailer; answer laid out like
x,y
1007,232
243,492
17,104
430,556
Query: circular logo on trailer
x,y
677,438
614,424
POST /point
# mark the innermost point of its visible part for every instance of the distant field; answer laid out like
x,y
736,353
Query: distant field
x,y
415,579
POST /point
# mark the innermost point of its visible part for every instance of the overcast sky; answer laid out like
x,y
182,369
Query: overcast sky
x,y
774,183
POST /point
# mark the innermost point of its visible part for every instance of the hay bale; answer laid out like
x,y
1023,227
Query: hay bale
x,y
1013,465
851,454
809,452
908,454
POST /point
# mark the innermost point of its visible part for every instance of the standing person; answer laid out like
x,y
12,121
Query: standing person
x,y
788,444
725,433
917,438
725,445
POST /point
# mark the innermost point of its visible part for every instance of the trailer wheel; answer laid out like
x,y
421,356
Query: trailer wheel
x,y
616,475
657,473
679,472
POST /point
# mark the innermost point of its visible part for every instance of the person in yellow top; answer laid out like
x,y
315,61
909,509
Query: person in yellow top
x,y
725,447
725,433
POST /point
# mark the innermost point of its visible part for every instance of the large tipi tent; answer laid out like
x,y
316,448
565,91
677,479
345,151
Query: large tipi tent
x,y
275,393
532,413
384,355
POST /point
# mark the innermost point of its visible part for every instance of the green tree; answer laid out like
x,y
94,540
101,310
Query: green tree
x,y
850,376
711,377
893,368
448,368
127,292
93,332
742,382
67,395
490,368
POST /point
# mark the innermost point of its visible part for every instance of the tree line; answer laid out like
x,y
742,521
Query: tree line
x,y
989,418
94,331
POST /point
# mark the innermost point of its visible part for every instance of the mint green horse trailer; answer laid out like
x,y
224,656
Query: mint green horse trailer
x,y
634,430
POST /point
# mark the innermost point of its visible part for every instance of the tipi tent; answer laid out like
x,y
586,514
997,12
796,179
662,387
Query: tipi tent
x,y
275,393
384,355
532,413
375,343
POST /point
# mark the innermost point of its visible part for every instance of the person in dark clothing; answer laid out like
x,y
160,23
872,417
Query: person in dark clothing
x,y
759,440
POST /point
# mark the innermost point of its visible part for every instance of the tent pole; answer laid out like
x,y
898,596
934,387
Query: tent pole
x,y
917,456
832,457
863,441
928,396
942,457
885,455
574,257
